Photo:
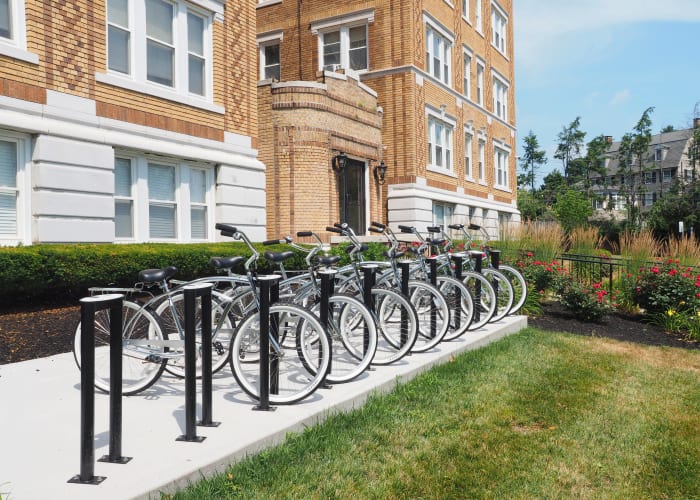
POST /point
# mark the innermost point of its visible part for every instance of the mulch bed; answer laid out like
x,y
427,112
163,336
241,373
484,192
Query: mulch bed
x,y
28,332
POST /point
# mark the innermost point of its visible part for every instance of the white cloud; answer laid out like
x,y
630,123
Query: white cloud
x,y
620,97
543,27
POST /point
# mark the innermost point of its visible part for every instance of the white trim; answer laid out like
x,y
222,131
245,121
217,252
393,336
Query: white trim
x,y
356,18
437,26
269,36
265,3
416,191
23,187
17,53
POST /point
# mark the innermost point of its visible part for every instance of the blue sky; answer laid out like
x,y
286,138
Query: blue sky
x,y
605,61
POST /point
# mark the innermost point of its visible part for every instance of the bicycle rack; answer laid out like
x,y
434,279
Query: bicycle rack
x,y
191,292
495,258
327,288
477,256
269,293
88,307
405,274
432,261
458,293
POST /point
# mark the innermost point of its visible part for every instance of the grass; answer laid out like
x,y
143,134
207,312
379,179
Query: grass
x,y
535,415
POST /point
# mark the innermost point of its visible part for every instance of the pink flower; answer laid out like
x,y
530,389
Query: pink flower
x,y
673,272
529,254
596,285
655,270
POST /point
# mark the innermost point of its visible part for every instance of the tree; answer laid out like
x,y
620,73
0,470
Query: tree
x,y
594,161
667,128
570,144
573,209
553,186
530,205
531,160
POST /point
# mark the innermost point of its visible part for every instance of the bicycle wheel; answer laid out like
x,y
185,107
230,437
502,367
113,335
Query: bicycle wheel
x,y
397,322
484,298
142,348
353,337
433,314
517,281
504,293
461,304
171,311
290,380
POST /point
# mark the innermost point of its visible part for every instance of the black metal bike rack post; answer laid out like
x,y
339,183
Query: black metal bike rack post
x,y
267,284
458,261
495,258
432,262
327,290
88,307
477,256
191,293
369,279
405,272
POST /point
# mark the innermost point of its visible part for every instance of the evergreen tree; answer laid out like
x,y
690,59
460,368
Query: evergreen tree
x,y
530,161
570,144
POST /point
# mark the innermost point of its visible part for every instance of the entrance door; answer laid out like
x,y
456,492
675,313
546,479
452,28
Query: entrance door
x,y
352,195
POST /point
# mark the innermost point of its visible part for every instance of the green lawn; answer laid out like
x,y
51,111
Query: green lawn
x,y
535,415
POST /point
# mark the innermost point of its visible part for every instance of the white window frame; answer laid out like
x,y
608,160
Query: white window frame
x,y
436,34
136,79
501,167
440,134
469,153
650,177
130,198
480,70
482,158
501,87
446,219
658,154
667,175
22,189
499,29
265,41
182,201
15,46
467,56
479,16
343,25
465,10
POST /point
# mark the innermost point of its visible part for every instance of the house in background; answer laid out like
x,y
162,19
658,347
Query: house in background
x,y
416,100
128,121
666,163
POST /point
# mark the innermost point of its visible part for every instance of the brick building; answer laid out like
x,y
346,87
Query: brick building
x,y
435,78
128,120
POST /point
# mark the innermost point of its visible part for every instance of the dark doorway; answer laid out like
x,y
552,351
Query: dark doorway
x,y
352,195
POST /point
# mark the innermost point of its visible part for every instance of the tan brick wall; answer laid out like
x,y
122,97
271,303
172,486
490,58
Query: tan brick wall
x,y
70,39
301,129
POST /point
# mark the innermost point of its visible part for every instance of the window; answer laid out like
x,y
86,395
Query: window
x,y
499,26
500,161
439,143
162,200
468,139
13,41
6,28
649,177
482,157
123,199
478,16
465,9
467,74
479,83
598,204
659,154
442,214
668,174
346,48
649,199
270,67
500,98
160,43
438,54
9,192
618,201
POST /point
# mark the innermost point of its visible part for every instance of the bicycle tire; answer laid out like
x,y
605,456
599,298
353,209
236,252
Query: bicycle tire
x,y
397,325
461,303
484,301
433,314
288,367
504,293
173,321
142,364
353,336
519,284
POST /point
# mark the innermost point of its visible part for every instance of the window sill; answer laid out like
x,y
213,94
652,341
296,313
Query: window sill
x,y
503,188
17,53
265,3
144,88
441,170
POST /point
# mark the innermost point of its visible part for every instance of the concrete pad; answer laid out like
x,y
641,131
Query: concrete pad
x,y
40,431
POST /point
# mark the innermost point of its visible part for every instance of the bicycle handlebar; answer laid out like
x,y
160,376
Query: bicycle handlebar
x,y
333,230
304,234
379,225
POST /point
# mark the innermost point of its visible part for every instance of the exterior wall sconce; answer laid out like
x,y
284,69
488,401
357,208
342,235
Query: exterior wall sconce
x,y
380,173
338,163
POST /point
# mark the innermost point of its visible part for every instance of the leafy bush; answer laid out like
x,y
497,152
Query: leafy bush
x,y
588,304
661,288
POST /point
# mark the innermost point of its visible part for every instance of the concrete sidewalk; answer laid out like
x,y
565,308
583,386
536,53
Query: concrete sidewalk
x,y
40,424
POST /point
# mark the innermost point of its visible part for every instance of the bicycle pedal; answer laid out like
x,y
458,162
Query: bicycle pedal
x,y
219,348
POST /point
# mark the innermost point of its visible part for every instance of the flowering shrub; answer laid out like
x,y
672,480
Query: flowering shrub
x,y
540,276
667,287
589,303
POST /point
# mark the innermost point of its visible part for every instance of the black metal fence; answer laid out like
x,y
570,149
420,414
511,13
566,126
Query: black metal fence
x,y
589,269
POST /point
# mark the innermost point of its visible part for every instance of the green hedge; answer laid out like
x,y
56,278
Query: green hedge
x,y
53,271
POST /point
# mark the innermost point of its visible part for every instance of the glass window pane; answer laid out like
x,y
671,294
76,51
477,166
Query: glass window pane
x,y
122,177
358,37
195,34
5,24
196,74
161,182
159,60
8,164
358,58
118,43
159,20
123,218
198,186
331,49
117,12
272,54
161,223
199,222
8,213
